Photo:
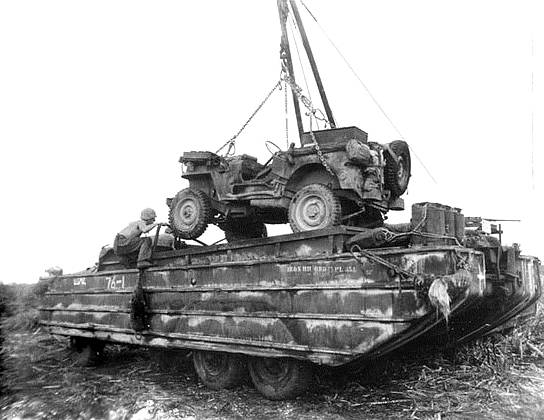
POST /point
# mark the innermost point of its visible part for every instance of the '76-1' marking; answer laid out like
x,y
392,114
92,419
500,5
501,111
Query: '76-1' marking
x,y
111,282
115,283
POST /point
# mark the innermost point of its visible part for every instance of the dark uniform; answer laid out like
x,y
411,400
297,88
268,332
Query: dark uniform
x,y
129,241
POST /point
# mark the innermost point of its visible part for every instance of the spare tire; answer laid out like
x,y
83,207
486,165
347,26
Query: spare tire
x,y
190,213
397,171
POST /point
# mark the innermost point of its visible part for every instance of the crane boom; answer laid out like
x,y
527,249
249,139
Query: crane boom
x,y
313,64
285,55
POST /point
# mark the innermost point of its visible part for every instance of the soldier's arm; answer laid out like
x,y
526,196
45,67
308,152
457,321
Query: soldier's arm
x,y
146,228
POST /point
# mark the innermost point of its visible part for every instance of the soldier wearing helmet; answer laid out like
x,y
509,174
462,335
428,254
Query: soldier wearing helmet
x,y
129,240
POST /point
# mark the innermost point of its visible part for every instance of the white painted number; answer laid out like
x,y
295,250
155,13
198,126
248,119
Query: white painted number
x,y
116,283
80,282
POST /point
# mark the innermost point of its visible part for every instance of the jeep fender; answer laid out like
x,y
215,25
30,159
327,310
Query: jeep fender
x,y
312,173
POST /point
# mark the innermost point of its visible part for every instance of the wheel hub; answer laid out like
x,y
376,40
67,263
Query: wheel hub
x,y
313,212
215,364
188,212
275,369
401,169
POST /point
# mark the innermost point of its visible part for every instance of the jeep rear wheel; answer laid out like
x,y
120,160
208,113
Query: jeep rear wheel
x,y
314,207
279,379
190,213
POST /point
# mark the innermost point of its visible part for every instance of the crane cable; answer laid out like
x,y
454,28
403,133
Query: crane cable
x,y
367,89
286,107
532,112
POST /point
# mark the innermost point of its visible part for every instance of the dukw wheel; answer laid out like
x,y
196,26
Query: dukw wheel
x,y
87,352
190,213
219,370
314,207
279,379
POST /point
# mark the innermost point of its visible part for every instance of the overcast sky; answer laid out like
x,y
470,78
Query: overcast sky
x,y
99,99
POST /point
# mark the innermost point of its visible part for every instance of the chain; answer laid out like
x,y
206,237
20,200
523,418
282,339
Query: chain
x,y
297,90
286,115
230,143
313,113
320,154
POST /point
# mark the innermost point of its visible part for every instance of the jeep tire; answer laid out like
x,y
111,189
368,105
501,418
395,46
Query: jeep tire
x,y
313,207
190,213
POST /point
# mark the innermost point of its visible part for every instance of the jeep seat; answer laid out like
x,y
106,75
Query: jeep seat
x,y
245,166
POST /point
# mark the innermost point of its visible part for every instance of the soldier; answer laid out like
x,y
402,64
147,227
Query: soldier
x,y
129,240
54,271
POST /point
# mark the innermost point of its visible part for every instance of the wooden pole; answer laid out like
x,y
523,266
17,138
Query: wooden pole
x,y
286,57
313,64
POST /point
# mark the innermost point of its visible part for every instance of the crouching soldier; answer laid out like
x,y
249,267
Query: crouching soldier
x,y
129,241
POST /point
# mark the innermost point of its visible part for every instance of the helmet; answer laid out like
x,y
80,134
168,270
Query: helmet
x,y
148,214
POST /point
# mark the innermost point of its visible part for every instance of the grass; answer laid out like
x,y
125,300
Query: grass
x,y
489,378
500,376
19,303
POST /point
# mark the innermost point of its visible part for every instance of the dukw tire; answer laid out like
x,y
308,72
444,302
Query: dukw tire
x,y
219,370
315,206
87,352
190,213
280,379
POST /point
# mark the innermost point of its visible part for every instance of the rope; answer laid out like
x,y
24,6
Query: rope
x,y
417,232
373,257
231,142
367,90
435,235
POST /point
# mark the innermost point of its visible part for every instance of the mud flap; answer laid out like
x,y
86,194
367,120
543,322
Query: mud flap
x,y
139,316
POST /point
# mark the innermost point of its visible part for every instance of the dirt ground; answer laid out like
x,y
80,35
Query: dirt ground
x,y
492,378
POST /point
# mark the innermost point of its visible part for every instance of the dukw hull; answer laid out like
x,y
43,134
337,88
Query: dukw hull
x,y
302,296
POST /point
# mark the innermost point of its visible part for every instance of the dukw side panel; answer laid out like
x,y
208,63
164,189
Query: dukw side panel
x,y
327,309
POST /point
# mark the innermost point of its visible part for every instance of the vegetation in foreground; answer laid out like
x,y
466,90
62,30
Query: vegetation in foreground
x,y
500,376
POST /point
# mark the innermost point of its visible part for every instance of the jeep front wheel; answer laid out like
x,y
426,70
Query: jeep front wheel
x,y
190,213
314,207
